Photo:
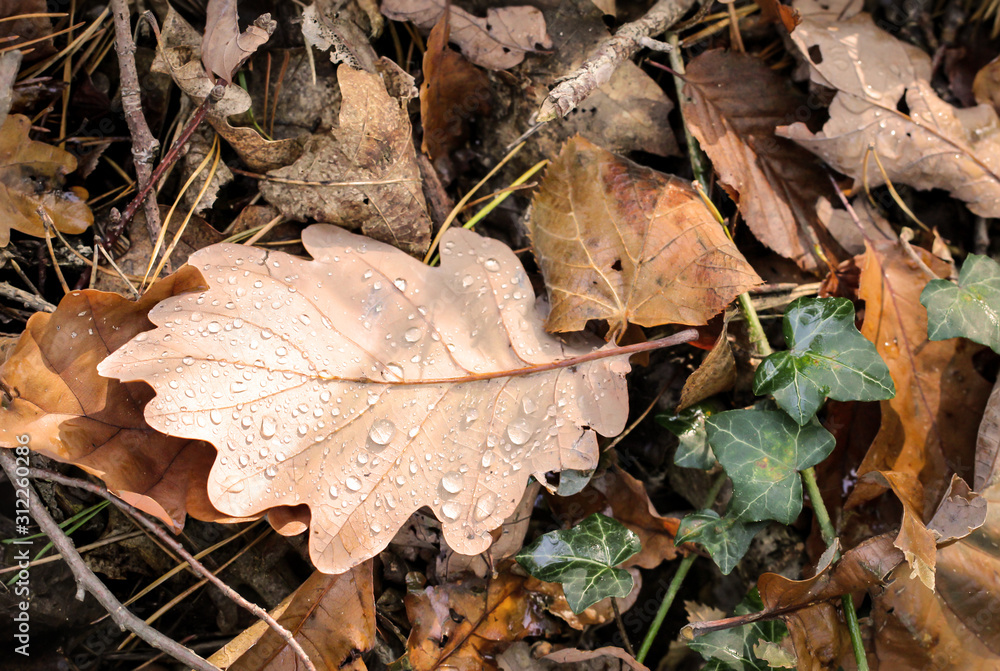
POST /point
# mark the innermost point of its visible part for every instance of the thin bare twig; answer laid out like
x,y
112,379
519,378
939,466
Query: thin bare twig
x,y
86,581
144,145
165,538
605,59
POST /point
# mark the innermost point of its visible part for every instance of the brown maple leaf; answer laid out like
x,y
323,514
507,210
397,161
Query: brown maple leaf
x,y
364,385
628,244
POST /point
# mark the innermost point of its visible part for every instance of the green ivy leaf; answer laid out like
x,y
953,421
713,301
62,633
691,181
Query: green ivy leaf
x,y
583,559
693,450
726,538
828,358
762,451
971,309
733,648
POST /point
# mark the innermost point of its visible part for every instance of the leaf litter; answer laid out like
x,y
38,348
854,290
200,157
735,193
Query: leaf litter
x,y
913,510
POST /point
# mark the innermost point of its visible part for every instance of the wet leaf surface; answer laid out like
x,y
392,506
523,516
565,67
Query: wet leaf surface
x,y
763,452
53,394
365,385
583,560
827,357
725,538
969,310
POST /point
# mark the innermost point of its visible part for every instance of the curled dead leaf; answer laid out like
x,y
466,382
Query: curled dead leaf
x,y
223,46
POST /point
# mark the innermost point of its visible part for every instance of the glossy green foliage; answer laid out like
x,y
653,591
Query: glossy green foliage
x,y
725,538
733,648
763,451
583,559
970,309
693,450
828,357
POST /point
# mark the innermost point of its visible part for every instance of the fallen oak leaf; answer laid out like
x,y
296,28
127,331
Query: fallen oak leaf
x,y
31,178
625,243
366,385
52,393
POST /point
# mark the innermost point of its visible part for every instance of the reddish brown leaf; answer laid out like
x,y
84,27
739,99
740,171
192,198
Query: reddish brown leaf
x,y
929,429
736,104
32,175
454,91
332,618
70,413
624,243
463,625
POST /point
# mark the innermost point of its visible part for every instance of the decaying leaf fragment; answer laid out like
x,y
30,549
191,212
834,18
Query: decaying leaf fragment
x,y
363,173
497,42
52,393
934,145
625,243
223,46
364,385
31,177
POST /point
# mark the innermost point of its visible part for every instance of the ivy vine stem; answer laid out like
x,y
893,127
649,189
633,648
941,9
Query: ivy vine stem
x,y
677,580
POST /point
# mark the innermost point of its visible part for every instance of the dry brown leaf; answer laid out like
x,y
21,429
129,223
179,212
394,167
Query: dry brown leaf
x,y
32,175
327,26
332,617
928,429
463,625
179,55
368,167
10,62
934,146
955,626
223,46
52,393
736,104
254,150
625,243
497,42
617,494
365,385
454,91
716,374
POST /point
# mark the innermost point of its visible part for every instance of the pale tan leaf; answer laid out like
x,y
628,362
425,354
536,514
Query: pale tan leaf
x,y
364,385
362,174
736,103
624,243
933,146
716,374
31,178
497,42
223,46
